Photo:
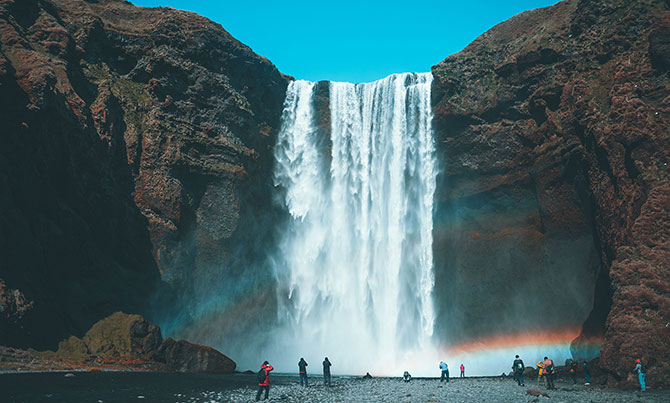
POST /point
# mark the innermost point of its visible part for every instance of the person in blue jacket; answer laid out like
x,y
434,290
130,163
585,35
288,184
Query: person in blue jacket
x,y
444,368
641,374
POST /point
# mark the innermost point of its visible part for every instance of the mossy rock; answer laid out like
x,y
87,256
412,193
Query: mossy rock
x,y
123,335
73,349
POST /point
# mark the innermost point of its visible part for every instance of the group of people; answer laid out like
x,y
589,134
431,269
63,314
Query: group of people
x,y
545,367
302,368
264,376
444,373
546,372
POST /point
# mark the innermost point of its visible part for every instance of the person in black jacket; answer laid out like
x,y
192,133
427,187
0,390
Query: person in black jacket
x,y
549,372
518,369
406,376
302,367
326,372
587,373
573,372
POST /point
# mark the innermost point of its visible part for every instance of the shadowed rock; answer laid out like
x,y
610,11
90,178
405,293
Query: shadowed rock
x,y
535,392
137,145
183,356
552,128
130,341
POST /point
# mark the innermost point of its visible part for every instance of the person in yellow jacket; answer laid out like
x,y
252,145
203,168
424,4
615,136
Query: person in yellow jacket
x,y
540,373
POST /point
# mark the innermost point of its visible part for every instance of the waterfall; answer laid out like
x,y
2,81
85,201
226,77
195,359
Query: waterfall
x,y
355,266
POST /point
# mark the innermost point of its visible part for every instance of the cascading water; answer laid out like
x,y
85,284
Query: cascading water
x,y
355,271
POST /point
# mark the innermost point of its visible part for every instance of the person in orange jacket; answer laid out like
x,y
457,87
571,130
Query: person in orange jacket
x,y
540,373
264,380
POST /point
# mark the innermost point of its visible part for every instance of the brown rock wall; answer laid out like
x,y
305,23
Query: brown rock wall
x,y
138,146
72,240
555,123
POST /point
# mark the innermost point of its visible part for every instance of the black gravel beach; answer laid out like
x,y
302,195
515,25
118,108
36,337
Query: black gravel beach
x,y
104,387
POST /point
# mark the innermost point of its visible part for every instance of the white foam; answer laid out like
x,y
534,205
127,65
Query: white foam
x,y
355,270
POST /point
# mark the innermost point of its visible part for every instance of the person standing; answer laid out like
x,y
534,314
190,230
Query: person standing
x,y
540,373
641,374
587,373
549,372
518,367
573,372
326,372
302,367
444,369
462,371
264,380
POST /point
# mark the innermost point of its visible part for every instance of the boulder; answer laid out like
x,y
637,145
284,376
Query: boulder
x,y
122,335
183,356
536,392
73,349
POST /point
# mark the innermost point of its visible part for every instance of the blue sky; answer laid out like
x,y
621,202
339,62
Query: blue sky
x,y
354,41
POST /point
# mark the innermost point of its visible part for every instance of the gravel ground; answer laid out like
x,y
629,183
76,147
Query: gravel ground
x,y
428,390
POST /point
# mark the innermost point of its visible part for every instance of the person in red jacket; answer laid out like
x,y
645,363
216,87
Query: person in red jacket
x,y
264,382
462,371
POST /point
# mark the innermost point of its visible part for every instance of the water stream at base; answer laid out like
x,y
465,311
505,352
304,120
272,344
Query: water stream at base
x,y
355,270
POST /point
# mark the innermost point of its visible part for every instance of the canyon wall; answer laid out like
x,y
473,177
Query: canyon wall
x,y
136,146
136,159
552,129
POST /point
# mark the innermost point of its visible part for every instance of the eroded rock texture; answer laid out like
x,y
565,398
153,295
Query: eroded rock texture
x,y
136,144
182,356
553,132
126,341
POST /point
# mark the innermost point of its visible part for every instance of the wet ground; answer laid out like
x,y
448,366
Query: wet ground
x,y
104,387
115,386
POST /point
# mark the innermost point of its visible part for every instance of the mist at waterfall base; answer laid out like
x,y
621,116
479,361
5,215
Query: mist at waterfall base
x,y
355,271
352,275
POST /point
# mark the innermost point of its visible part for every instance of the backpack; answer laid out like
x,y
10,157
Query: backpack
x,y
261,375
643,370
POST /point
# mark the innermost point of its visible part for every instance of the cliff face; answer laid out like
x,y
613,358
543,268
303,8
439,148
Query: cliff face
x,y
136,145
553,132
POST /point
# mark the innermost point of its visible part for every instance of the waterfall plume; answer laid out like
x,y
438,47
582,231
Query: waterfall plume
x,y
355,266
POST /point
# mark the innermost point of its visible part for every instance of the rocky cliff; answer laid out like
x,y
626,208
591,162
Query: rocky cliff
x,y
136,160
136,145
553,132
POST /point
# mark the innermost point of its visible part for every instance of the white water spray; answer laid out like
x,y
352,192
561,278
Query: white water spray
x,y
355,271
